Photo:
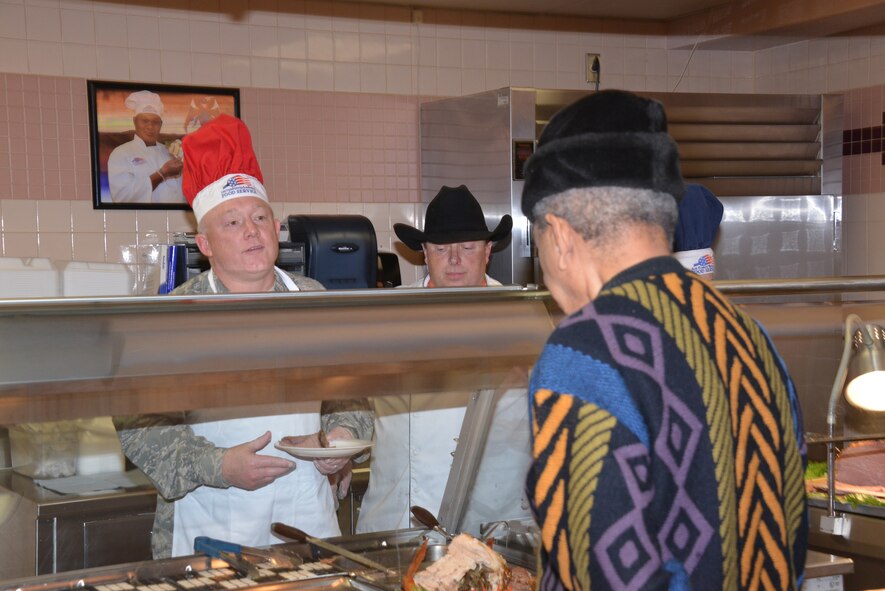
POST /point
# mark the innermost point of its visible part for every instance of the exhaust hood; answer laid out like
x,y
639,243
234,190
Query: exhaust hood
x,y
734,144
775,160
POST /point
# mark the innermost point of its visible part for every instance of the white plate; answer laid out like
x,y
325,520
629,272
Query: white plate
x,y
338,448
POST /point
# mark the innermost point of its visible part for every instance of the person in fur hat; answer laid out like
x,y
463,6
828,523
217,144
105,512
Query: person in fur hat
x,y
668,447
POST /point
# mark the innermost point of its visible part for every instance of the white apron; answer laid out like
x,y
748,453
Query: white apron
x,y
415,437
302,498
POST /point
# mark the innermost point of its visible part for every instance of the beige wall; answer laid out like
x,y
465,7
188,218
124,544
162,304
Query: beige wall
x,y
361,70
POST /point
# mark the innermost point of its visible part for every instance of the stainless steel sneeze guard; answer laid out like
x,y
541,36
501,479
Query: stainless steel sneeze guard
x,y
70,358
67,358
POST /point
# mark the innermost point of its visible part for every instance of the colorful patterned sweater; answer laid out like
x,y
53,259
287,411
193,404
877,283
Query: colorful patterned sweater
x,y
668,444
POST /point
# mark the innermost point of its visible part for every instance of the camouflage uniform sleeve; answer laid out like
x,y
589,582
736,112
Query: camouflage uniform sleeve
x,y
172,456
164,523
356,415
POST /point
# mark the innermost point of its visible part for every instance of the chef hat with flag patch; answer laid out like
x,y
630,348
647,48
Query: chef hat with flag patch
x,y
700,213
145,101
219,165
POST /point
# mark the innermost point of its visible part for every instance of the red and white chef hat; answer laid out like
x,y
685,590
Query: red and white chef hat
x,y
219,165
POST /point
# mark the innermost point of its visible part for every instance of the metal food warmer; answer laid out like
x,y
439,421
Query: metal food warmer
x,y
305,568
116,356
72,358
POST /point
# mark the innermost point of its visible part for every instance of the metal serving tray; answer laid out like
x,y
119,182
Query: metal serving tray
x,y
321,570
202,573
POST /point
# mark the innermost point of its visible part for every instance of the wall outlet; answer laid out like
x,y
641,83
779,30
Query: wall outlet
x,y
594,68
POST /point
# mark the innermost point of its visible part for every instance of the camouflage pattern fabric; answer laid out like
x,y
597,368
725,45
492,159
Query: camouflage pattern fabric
x,y
199,285
178,461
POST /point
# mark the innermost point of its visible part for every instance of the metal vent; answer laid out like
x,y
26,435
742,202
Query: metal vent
x,y
735,144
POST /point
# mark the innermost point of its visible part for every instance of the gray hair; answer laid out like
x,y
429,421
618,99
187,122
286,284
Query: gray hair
x,y
600,214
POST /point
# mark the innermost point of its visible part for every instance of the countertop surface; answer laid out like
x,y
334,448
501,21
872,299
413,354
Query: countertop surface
x,y
29,489
819,564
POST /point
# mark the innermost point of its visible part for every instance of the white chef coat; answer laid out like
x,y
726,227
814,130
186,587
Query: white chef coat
x,y
302,498
415,439
130,167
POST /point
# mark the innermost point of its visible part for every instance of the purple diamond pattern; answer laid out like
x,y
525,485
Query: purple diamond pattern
x,y
638,343
633,461
678,439
685,533
626,553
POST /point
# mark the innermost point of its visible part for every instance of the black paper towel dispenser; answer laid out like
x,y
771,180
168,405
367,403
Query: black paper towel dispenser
x,y
340,251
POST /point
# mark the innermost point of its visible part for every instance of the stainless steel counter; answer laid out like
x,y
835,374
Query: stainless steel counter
x,y
393,550
821,564
42,531
864,544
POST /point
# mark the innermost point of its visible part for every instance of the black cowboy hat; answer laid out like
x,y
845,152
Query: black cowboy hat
x,y
454,215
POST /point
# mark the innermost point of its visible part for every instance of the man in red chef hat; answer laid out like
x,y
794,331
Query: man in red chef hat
x,y
212,480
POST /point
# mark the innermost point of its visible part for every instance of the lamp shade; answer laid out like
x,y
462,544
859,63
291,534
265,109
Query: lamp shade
x,y
866,374
864,348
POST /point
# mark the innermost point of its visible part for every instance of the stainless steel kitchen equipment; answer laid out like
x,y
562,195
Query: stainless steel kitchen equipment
x,y
44,532
774,160
114,355
276,557
428,520
293,533
393,549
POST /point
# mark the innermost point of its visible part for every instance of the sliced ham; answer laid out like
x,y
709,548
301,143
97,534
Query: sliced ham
x,y
862,464
466,557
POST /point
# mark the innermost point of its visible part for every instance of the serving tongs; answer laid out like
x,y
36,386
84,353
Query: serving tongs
x,y
427,519
236,555
293,533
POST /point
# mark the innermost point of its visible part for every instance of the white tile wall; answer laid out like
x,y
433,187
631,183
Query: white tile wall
x,y
172,44
73,230
351,47
177,45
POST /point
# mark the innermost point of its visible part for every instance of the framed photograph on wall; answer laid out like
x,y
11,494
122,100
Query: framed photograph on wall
x,y
136,131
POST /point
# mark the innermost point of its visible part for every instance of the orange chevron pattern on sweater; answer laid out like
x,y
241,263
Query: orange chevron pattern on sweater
x,y
584,421
756,430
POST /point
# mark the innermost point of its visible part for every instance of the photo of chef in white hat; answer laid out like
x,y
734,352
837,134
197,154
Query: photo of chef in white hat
x,y
143,170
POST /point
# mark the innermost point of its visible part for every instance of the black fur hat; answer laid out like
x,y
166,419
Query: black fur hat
x,y
610,138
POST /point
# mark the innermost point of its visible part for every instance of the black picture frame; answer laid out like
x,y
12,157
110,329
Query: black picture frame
x,y
112,124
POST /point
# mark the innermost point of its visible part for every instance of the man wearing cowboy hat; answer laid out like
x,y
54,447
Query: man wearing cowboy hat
x,y
456,243
416,435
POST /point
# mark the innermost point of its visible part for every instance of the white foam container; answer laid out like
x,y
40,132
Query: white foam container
x,y
85,279
99,450
28,278
44,450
